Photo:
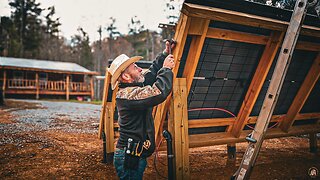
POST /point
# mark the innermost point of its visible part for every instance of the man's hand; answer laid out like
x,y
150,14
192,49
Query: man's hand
x,y
169,62
170,45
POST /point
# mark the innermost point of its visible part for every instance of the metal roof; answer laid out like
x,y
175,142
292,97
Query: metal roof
x,y
43,65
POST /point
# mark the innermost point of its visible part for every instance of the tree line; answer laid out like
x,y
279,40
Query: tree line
x,y
32,31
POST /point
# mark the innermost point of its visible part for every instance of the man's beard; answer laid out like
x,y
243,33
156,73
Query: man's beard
x,y
139,79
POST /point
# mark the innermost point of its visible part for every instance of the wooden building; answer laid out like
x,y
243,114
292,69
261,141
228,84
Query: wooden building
x,y
226,55
45,78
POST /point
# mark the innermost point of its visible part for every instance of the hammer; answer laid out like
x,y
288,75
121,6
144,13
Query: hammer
x,y
171,41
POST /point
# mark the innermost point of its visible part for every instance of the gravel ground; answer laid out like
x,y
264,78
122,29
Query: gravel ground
x,y
66,116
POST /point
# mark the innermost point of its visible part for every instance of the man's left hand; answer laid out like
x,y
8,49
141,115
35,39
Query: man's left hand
x,y
170,45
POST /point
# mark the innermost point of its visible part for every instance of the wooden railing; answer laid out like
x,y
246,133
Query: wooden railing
x,y
47,85
21,83
52,85
79,86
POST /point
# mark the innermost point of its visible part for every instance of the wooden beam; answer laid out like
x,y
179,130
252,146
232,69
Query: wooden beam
x,y
308,46
107,81
246,19
302,95
231,35
180,126
215,122
109,129
196,46
180,37
37,85
68,87
211,139
257,81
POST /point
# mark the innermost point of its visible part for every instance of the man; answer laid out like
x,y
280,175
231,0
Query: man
x,y
138,94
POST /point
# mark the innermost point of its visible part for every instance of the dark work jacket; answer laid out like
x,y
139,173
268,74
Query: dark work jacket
x,y
135,102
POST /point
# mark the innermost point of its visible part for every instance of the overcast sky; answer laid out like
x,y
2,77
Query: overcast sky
x,y
90,14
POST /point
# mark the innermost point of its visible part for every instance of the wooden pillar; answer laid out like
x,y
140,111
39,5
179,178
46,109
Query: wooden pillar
x,y
107,118
68,87
107,80
313,142
179,125
37,86
91,87
4,83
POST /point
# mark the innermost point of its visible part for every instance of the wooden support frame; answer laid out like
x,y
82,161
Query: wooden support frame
x,y
179,127
212,13
302,95
107,81
273,91
201,26
259,77
183,26
212,139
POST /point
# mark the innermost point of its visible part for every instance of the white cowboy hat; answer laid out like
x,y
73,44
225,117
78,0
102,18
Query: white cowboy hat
x,y
118,65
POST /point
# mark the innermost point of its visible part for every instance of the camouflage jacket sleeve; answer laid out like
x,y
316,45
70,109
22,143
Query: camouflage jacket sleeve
x,y
148,96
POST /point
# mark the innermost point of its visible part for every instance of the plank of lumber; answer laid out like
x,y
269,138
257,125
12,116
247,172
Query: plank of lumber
x,y
210,139
196,46
107,81
236,36
180,125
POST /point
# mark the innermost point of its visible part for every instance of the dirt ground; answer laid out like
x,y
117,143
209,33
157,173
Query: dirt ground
x,y
60,151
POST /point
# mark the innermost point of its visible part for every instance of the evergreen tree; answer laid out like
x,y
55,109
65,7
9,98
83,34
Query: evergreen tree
x,y
81,49
135,28
26,18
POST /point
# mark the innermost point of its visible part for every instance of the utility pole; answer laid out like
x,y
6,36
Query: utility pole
x,y
22,28
99,62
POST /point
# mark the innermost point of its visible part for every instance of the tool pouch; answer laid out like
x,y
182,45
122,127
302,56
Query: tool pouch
x,y
132,155
131,161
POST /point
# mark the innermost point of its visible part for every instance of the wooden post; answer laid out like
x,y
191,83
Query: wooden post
x,y
37,86
313,142
4,83
91,87
68,87
179,125
107,80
